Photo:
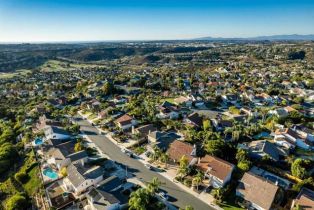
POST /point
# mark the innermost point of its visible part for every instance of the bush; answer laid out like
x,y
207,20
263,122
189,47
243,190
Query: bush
x,y
21,177
16,202
244,165
187,182
300,168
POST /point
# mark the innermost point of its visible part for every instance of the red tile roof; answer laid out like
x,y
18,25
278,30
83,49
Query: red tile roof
x,y
178,148
219,168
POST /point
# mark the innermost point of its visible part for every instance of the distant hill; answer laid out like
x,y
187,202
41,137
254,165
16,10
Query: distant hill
x,y
292,37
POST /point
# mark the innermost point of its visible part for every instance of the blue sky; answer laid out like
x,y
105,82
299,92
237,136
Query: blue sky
x,y
84,20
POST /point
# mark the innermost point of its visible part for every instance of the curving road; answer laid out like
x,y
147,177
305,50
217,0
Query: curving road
x,y
178,197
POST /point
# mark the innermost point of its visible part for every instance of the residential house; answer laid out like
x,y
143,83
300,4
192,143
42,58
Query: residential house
x,y
101,200
81,178
304,131
260,99
45,121
197,100
168,110
248,111
94,105
64,154
216,170
289,138
229,98
105,113
262,148
220,124
57,198
125,122
183,100
161,139
144,130
257,192
53,132
279,112
120,100
178,149
194,120
304,200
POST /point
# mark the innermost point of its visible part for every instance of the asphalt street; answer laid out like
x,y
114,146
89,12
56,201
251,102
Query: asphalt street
x,y
178,197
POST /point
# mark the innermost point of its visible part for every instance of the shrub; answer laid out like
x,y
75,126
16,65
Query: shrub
x,y
244,165
16,202
187,182
21,177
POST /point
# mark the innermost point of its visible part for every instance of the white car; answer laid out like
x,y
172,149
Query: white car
x,y
148,166
163,195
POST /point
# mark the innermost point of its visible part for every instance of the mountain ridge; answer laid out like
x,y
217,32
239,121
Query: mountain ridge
x,y
284,37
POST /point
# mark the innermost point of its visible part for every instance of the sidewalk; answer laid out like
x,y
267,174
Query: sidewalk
x,y
130,143
170,175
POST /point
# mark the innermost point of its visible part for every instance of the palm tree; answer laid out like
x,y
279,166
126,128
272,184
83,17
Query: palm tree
x,y
183,166
218,194
153,186
164,158
157,153
235,135
139,199
197,180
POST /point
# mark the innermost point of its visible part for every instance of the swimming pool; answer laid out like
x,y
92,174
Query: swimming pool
x,y
38,141
262,135
50,173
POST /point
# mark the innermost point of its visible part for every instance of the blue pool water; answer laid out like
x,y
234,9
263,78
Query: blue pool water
x,y
38,141
261,135
50,173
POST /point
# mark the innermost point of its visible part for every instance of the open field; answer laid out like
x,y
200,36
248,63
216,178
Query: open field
x,y
8,75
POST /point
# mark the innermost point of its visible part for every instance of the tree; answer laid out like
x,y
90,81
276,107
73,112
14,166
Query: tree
x,y
180,84
64,172
21,177
153,186
164,158
197,180
156,153
214,147
241,155
139,199
244,165
299,168
206,125
183,166
234,110
78,147
219,194
107,88
16,202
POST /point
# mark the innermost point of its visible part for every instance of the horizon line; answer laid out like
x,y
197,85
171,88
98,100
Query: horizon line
x,y
152,40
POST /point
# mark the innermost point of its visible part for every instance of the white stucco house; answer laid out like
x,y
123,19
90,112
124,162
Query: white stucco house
x,y
80,178
216,170
53,132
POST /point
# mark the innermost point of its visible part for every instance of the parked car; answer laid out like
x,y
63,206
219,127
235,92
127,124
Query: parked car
x,y
163,195
148,166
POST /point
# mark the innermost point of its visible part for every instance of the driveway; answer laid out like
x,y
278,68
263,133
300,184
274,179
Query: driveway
x,y
178,197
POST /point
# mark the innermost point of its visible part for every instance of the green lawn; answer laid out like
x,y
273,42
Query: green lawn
x,y
230,207
8,75
34,182
171,100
